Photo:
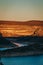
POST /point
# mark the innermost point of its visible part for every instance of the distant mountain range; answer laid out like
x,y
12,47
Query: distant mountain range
x,y
32,22
21,28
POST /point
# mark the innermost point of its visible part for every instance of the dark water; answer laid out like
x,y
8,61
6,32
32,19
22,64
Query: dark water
x,y
29,60
3,48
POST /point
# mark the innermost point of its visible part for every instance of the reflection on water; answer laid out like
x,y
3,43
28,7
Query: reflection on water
x,y
29,60
5,48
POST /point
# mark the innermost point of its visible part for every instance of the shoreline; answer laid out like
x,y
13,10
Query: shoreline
x,y
22,54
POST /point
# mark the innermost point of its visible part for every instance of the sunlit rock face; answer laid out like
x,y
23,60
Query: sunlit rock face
x,y
22,29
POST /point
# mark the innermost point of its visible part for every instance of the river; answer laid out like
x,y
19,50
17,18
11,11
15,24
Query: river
x,y
26,60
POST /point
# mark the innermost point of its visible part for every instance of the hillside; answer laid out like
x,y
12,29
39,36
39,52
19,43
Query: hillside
x,y
4,43
34,47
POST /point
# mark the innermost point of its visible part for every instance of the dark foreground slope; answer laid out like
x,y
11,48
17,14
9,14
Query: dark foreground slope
x,y
34,47
23,51
31,49
5,43
26,39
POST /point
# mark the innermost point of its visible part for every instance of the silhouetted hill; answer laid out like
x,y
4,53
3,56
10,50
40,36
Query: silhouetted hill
x,y
27,39
5,43
32,49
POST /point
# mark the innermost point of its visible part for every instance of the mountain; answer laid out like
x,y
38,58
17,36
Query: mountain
x,y
32,22
21,28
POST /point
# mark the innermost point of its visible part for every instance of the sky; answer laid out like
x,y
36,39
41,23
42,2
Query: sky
x,y
21,10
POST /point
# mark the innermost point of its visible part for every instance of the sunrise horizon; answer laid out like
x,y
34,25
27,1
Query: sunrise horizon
x,y
21,17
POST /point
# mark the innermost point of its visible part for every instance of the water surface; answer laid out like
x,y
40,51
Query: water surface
x,y
28,60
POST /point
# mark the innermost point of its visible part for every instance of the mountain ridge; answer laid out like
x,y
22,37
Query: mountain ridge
x,y
31,22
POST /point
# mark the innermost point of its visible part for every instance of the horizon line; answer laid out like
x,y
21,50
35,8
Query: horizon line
x,y
20,20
